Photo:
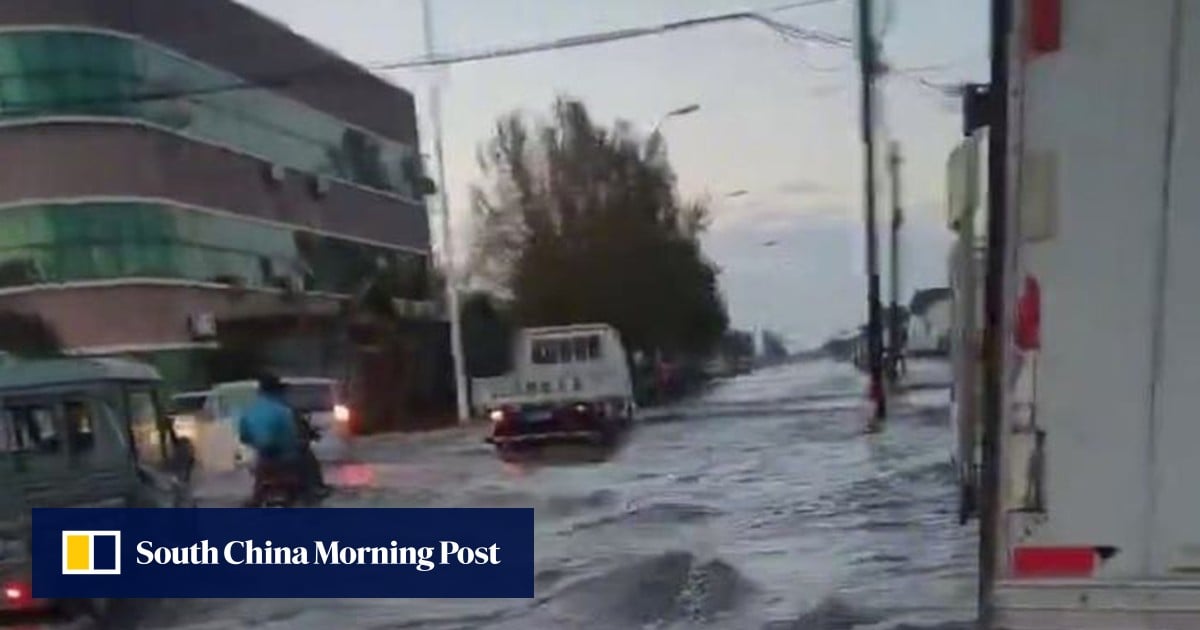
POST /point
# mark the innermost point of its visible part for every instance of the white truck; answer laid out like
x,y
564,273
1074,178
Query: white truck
x,y
569,384
1097,515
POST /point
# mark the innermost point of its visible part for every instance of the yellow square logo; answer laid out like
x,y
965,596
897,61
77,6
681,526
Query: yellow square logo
x,y
91,553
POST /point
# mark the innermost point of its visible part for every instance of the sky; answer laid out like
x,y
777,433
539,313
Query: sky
x,y
777,119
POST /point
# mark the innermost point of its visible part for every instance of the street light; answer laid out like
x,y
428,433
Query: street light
x,y
737,193
682,111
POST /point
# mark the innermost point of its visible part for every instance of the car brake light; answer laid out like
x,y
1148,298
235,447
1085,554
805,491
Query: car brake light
x,y
15,592
341,413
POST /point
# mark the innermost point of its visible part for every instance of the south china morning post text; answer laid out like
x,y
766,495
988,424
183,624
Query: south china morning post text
x,y
294,553
249,552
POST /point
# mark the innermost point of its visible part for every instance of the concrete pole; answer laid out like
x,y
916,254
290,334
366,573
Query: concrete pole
x,y
448,263
867,60
991,526
894,161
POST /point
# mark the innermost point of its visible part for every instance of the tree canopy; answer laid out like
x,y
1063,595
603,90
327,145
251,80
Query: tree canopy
x,y
486,332
583,223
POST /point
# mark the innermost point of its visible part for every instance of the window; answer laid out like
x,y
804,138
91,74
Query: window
x,y
231,401
76,73
593,347
188,404
81,428
545,352
29,429
310,398
95,432
145,428
581,348
84,428
95,241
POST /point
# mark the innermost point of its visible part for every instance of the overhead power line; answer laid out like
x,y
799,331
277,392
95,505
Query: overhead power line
x,y
795,5
336,70
592,39
791,33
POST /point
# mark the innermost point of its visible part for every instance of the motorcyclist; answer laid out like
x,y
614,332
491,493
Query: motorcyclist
x,y
268,426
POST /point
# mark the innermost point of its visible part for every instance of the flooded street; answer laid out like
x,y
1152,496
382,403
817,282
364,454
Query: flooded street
x,y
758,505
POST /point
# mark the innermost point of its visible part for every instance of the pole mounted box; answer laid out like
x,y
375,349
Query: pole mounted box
x,y
976,107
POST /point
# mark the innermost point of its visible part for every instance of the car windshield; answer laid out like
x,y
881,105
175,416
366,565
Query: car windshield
x,y
311,397
188,403
234,399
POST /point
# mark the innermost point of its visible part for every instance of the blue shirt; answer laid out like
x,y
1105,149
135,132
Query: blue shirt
x,y
268,426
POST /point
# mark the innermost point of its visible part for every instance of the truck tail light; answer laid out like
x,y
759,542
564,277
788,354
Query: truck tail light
x,y
1059,562
1028,331
503,415
16,594
1045,26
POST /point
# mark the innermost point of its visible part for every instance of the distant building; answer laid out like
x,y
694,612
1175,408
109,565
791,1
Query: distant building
x,y
929,321
152,202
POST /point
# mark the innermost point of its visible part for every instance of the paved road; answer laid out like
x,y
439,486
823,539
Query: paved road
x,y
758,505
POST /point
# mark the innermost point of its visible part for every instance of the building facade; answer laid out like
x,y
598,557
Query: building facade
x,y
174,170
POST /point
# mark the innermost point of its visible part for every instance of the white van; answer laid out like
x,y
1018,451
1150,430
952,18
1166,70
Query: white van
x,y
320,399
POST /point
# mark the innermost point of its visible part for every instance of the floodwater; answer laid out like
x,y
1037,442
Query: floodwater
x,y
760,504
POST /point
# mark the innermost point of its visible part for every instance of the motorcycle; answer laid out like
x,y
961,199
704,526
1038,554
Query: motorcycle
x,y
279,486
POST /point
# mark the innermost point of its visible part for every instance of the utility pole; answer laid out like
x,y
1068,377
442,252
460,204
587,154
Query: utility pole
x,y
869,68
448,267
894,162
990,526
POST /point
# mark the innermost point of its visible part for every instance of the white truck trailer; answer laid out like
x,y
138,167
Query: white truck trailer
x,y
1095,519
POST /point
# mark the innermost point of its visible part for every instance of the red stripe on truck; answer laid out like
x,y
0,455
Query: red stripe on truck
x,y
1028,330
1056,562
1045,26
